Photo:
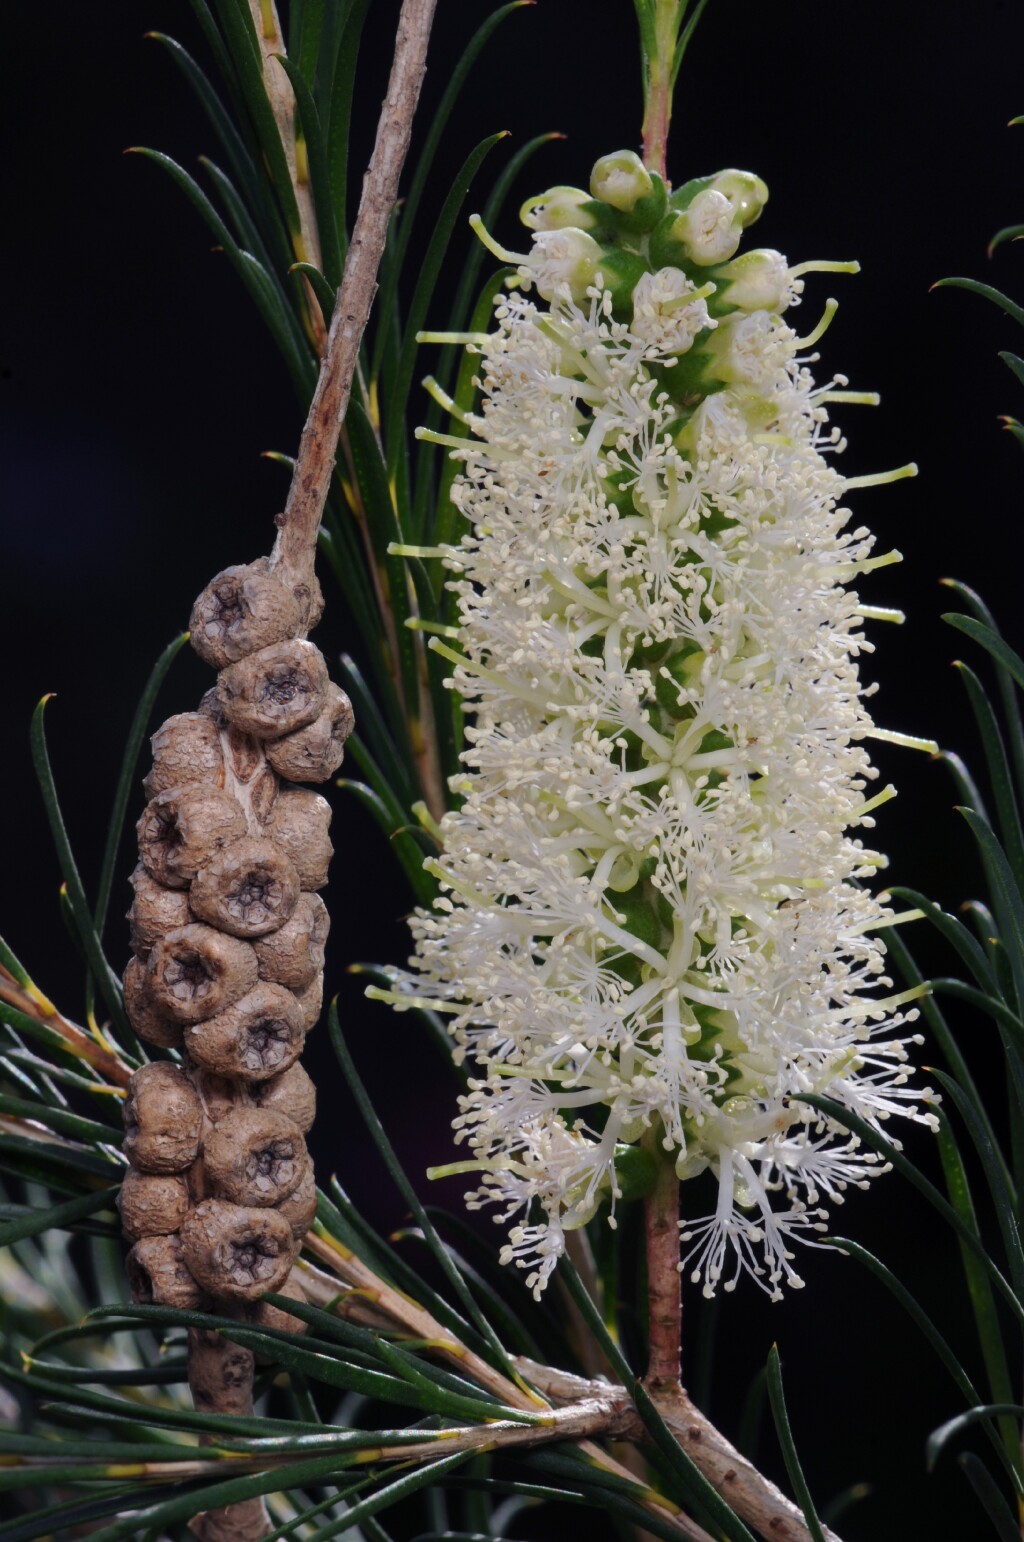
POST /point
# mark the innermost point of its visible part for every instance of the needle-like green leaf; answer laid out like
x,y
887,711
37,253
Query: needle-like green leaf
x,y
107,982
939,1438
777,1400
991,1497
1014,311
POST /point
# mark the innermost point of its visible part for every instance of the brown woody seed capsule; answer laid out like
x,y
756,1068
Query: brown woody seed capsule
x,y
197,972
209,707
152,1204
237,1251
149,1022
245,754
162,1119
263,793
300,1208
154,911
158,1275
311,597
292,1093
218,1094
184,828
243,609
186,750
314,753
249,889
299,825
276,690
257,1037
294,954
311,1003
266,1315
255,1157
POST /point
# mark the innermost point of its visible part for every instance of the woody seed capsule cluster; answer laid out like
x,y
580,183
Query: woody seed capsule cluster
x,y
228,937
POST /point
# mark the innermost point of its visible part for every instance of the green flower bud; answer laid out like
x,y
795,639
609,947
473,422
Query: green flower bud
x,y
755,281
621,179
564,259
703,234
683,196
746,192
558,208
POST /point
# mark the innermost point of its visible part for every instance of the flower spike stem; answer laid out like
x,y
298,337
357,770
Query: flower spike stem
x,y
660,21
664,1294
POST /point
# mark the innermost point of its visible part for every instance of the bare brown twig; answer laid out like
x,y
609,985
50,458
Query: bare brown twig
x,y
295,547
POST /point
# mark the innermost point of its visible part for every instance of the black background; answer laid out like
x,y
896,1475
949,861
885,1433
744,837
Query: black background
x,y
139,391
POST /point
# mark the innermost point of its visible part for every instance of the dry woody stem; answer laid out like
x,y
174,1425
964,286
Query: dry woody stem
x,y
296,542
221,1190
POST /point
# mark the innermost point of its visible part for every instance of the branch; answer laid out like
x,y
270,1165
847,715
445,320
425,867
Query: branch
x,y
295,547
753,1497
97,1052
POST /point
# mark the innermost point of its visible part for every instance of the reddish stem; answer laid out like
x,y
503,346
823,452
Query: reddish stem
x,y
664,1295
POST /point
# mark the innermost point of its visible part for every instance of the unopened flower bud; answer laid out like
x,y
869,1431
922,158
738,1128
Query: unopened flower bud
x,y
255,1156
259,1036
756,281
621,179
276,690
746,193
196,972
293,1092
162,1119
708,229
299,825
314,753
150,1022
159,1276
249,889
183,828
562,261
240,611
152,1204
557,208
186,749
154,912
237,1252
294,954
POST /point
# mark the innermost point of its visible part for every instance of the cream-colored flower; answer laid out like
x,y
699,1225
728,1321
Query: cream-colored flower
x,y
653,912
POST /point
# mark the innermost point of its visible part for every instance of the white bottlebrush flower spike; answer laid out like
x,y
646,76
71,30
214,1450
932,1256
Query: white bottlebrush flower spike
x,y
651,922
